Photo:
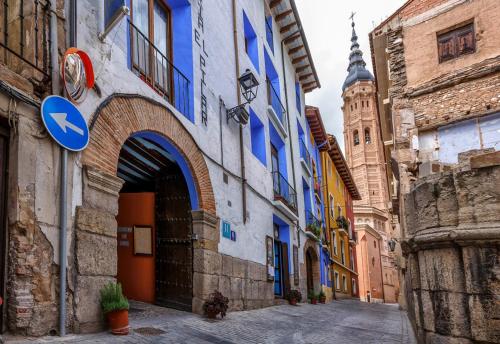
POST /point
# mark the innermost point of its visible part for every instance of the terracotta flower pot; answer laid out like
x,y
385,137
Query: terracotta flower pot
x,y
212,314
293,302
118,321
314,301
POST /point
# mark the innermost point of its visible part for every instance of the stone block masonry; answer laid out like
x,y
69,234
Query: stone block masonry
x,y
453,252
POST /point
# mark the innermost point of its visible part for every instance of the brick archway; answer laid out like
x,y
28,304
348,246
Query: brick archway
x,y
122,115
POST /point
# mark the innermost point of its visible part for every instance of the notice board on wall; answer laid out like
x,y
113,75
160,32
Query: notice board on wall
x,y
143,240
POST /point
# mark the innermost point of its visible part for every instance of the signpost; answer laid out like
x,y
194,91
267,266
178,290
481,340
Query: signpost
x,y
68,128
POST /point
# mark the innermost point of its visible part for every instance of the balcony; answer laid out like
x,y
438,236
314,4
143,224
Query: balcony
x,y
25,44
276,109
305,158
284,193
156,70
313,225
342,224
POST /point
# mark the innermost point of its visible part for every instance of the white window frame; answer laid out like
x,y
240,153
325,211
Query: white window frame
x,y
334,239
337,280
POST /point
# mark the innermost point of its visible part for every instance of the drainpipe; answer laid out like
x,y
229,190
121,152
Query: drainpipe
x,y
54,60
242,150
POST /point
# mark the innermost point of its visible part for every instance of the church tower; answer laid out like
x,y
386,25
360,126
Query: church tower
x,y
378,278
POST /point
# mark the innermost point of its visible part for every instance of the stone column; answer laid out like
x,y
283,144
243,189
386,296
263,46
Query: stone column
x,y
207,261
95,248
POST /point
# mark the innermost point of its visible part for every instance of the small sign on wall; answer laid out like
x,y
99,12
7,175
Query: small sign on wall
x,y
233,235
226,230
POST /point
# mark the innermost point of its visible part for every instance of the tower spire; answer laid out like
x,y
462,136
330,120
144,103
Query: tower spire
x,y
356,69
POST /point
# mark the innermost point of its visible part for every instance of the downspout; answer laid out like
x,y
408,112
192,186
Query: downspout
x,y
54,61
242,151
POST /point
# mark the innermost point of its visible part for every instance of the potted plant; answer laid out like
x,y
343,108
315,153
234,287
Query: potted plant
x,y
216,304
294,296
322,297
115,306
313,297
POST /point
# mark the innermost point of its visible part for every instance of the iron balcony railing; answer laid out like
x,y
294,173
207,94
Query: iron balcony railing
x,y
283,191
273,99
154,68
304,154
25,40
311,219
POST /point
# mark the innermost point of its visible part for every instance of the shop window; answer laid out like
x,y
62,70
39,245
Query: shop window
x,y
456,42
355,137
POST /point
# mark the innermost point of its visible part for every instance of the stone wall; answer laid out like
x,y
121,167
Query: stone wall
x,y
453,253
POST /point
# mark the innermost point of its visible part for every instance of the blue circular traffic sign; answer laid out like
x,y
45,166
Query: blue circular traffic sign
x,y
65,123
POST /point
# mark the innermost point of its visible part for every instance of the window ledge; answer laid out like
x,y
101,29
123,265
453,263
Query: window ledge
x,y
283,207
305,167
277,123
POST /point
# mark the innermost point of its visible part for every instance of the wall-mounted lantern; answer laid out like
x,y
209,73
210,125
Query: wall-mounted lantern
x,y
248,87
392,244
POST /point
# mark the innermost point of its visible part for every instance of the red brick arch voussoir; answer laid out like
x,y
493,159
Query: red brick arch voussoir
x,y
122,115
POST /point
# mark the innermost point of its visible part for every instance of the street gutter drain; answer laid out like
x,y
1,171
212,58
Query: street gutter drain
x,y
149,331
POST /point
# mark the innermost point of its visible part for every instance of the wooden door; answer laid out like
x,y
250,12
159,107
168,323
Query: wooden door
x,y
4,141
309,262
174,252
285,268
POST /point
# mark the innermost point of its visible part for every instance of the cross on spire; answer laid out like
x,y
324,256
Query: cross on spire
x,y
352,16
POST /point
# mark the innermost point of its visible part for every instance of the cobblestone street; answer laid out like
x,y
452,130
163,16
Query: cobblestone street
x,y
337,322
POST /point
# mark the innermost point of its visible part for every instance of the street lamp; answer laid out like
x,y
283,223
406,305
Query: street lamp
x,y
248,87
392,244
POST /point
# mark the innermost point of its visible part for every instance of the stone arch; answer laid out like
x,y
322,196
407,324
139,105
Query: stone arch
x,y
122,115
95,256
312,263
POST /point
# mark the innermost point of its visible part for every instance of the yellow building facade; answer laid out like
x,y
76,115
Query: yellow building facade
x,y
338,192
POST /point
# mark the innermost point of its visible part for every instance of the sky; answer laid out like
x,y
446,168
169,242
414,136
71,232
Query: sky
x,y
328,31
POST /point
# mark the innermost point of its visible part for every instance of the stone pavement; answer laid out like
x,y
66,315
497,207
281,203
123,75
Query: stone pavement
x,y
339,322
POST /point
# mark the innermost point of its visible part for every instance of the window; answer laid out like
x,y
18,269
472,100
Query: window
x,y
351,259
269,32
375,244
251,44
332,207
368,139
354,287
337,282
351,108
258,137
151,44
344,283
362,103
457,42
367,103
334,240
356,106
298,103
355,137
342,252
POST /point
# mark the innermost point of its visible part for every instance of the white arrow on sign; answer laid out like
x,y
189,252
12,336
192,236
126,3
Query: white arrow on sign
x,y
62,122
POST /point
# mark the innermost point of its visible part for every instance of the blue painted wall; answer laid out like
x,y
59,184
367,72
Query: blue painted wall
x,y
252,43
285,237
271,73
258,137
182,42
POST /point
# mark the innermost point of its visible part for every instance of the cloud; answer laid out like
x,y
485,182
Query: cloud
x,y
328,30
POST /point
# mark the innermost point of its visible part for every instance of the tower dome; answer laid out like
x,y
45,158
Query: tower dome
x,y
356,69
